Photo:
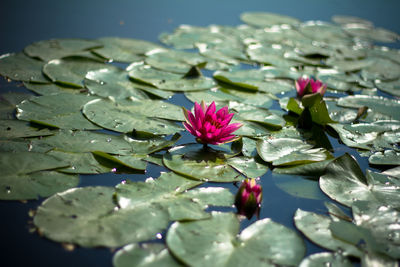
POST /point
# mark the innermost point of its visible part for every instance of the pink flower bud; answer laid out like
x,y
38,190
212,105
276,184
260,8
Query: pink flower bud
x,y
306,86
248,198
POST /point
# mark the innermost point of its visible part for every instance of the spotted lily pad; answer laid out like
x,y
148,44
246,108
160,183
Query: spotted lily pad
x,y
289,151
326,258
56,111
65,217
20,67
388,157
345,183
316,228
16,129
216,242
72,71
126,115
170,192
58,48
200,164
26,175
144,255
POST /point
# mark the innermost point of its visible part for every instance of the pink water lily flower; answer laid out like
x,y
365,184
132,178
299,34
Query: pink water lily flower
x,y
248,198
309,86
210,127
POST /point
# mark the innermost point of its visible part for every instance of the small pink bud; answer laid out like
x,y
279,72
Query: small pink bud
x,y
248,198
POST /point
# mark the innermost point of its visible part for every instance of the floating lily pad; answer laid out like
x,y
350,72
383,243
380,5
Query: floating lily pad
x,y
325,32
72,71
312,169
289,151
16,129
345,183
186,37
216,242
124,49
126,115
112,83
390,87
316,228
248,166
80,163
23,145
270,56
175,61
65,217
22,177
345,19
388,157
168,80
379,226
201,164
370,33
58,48
298,187
134,162
381,69
20,67
56,111
144,255
379,104
266,19
169,192
369,136
325,258
52,88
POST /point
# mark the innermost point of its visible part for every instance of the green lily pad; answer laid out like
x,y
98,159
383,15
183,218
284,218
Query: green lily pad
x,y
395,172
289,151
200,164
52,88
126,115
382,105
345,183
216,242
134,162
369,136
248,166
175,61
72,71
169,192
20,67
58,48
22,177
315,169
35,185
345,19
112,83
23,145
144,255
80,163
168,80
16,129
388,157
382,69
379,226
65,217
56,111
325,258
316,228
268,55
187,37
266,19
299,188
325,32
370,33
390,87
124,49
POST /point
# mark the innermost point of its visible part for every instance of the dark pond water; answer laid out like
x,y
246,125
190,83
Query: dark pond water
x,y
24,22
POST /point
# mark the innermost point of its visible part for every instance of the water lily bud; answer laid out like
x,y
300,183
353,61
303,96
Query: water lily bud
x,y
210,126
248,198
306,86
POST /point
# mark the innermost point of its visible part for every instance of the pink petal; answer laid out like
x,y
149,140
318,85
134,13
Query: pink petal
x,y
230,128
189,128
222,112
227,119
210,109
199,112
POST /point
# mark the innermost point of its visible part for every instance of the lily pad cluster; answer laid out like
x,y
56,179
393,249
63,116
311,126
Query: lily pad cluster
x,y
107,106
